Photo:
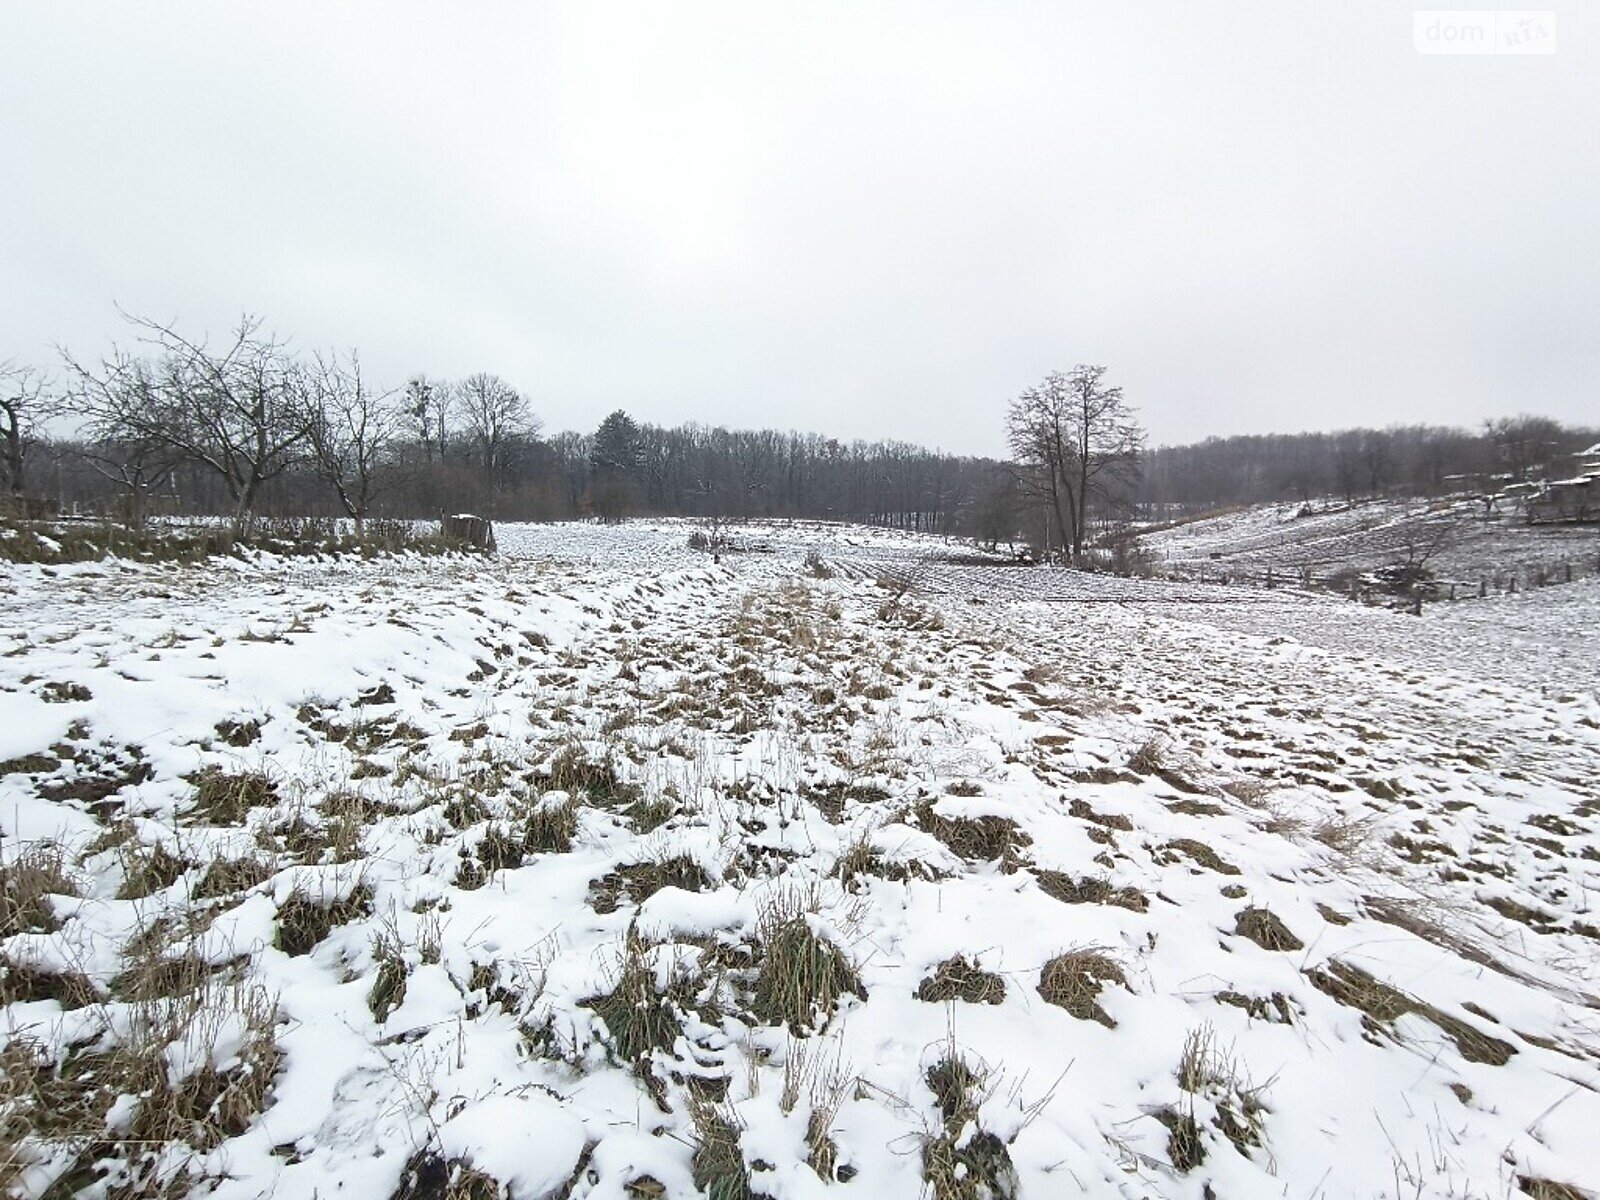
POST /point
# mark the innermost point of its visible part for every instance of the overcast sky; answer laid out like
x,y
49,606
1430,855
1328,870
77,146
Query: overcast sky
x,y
871,220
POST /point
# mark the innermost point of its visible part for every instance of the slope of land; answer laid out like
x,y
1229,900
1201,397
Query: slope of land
x,y
1455,538
600,870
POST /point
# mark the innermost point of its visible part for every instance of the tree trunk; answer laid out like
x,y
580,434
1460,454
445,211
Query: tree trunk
x,y
13,452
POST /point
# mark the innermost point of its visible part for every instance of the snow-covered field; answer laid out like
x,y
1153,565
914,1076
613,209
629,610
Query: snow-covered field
x,y
1452,537
601,870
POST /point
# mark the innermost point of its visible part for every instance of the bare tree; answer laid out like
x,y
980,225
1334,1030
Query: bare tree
x,y
137,466
238,412
351,429
495,414
428,405
1524,444
1074,439
21,391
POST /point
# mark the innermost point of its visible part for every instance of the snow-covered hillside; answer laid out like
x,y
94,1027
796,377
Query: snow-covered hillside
x,y
1455,538
600,870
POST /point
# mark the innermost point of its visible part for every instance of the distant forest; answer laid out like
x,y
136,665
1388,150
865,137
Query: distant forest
x,y
689,470
698,471
253,430
1407,460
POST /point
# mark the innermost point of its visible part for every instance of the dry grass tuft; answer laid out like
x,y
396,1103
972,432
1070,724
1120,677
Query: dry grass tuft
x,y
964,1161
223,798
1263,927
304,920
1063,887
637,882
1073,981
801,976
959,978
550,826
148,869
977,838
1381,1005
35,873
639,1016
718,1163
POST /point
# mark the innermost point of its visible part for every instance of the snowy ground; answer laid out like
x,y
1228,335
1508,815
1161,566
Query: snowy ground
x,y
505,875
1452,538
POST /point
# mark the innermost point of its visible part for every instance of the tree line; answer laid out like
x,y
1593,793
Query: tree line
x,y
1354,464
246,427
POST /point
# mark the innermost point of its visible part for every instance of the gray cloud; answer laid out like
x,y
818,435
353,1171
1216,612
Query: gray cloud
x,y
871,220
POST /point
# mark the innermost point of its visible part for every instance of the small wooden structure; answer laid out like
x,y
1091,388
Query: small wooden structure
x,y
468,532
1576,500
